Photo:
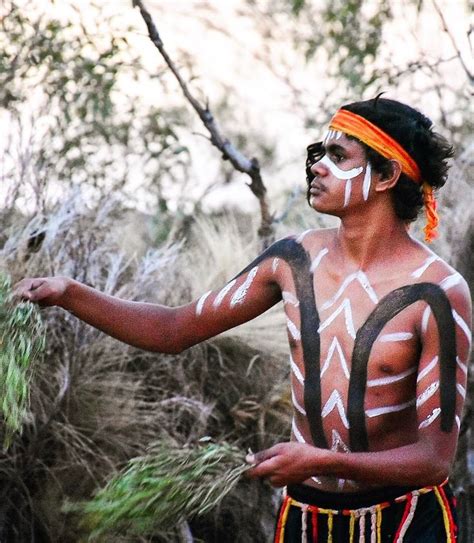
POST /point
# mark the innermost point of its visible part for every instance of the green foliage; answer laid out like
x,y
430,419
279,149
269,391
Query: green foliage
x,y
86,127
22,342
166,486
353,39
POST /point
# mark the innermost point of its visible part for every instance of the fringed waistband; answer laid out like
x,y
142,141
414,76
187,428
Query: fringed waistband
x,y
331,504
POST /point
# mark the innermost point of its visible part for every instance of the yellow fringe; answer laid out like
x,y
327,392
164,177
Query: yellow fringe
x,y
283,520
330,523
351,527
379,524
445,516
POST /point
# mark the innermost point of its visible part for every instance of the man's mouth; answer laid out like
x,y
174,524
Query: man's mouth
x,y
316,188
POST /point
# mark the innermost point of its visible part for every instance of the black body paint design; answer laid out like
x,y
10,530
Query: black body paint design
x,y
299,261
393,303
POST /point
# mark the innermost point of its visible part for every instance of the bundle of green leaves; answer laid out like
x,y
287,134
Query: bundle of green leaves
x,y
22,341
157,491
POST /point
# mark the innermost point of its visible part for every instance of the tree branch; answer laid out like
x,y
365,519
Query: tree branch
x,y
240,162
469,74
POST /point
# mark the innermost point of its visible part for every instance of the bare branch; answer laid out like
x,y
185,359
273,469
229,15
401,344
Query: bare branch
x,y
469,74
240,162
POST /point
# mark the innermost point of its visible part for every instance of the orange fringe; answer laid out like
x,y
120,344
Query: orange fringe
x,y
432,218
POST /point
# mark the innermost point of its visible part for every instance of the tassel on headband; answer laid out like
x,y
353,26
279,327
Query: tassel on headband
x,y
373,136
432,218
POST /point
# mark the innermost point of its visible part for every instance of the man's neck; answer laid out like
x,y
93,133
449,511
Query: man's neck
x,y
364,242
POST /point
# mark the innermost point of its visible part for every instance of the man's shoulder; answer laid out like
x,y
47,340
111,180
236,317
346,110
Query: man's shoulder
x,y
432,268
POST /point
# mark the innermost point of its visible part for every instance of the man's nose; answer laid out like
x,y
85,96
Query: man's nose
x,y
319,169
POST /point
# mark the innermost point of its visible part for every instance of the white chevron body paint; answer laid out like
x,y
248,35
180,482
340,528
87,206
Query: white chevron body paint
x,y
367,181
451,281
223,292
427,393
461,390
297,433
275,263
301,237
430,418
424,319
296,404
421,270
343,175
296,370
399,336
424,372
335,345
376,412
461,365
338,444
463,325
363,280
335,401
317,259
346,307
392,379
295,333
200,303
241,292
290,299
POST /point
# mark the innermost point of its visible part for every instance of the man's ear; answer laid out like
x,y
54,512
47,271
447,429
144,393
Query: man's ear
x,y
389,180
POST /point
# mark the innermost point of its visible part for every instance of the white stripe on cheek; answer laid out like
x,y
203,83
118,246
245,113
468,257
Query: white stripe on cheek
x,y
337,172
367,181
347,192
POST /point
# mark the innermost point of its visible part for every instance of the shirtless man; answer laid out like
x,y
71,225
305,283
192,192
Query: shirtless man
x,y
379,333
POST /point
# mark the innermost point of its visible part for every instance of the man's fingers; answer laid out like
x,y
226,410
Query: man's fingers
x,y
261,456
30,289
264,468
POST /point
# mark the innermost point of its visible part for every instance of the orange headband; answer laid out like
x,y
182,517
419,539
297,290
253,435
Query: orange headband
x,y
373,136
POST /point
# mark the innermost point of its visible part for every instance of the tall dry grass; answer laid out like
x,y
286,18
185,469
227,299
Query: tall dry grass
x,y
96,402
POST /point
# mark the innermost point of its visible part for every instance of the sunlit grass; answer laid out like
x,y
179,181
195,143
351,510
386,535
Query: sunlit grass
x,y
22,341
159,490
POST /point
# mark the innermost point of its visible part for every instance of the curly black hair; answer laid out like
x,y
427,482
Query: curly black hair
x,y
414,132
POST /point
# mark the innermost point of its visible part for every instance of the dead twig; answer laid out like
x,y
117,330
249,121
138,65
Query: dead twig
x,y
240,162
469,74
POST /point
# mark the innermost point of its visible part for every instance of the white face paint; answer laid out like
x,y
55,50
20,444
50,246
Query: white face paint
x,y
332,135
343,175
347,175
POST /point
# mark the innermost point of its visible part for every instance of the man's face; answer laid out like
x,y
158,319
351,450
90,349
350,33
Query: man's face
x,y
339,175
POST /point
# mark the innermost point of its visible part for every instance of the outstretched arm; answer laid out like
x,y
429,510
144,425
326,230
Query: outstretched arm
x,y
156,327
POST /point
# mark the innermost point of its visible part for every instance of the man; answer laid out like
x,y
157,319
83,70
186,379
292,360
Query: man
x,y
379,333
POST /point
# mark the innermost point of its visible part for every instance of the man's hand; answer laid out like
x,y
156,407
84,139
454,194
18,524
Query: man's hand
x,y
45,291
286,463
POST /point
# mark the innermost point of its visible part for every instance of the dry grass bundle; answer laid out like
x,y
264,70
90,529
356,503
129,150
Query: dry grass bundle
x,y
22,342
168,485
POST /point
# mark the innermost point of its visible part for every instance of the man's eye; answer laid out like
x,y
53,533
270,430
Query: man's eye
x,y
337,157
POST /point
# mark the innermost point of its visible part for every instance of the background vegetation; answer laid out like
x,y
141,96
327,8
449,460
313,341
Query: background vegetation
x,y
98,168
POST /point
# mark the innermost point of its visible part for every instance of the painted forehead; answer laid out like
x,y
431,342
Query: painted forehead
x,y
332,135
